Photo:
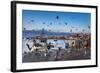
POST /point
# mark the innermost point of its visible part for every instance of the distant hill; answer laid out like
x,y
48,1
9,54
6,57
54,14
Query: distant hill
x,y
31,33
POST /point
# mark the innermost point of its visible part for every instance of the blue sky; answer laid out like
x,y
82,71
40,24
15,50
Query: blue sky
x,y
66,21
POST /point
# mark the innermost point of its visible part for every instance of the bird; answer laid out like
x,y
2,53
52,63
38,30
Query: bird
x,y
89,27
32,20
66,23
50,23
24,28
57,17
43,22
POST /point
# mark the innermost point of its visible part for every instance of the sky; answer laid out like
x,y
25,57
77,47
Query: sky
x,y
56,21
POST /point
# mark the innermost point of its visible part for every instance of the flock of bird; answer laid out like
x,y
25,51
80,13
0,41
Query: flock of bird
x,y
57,18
